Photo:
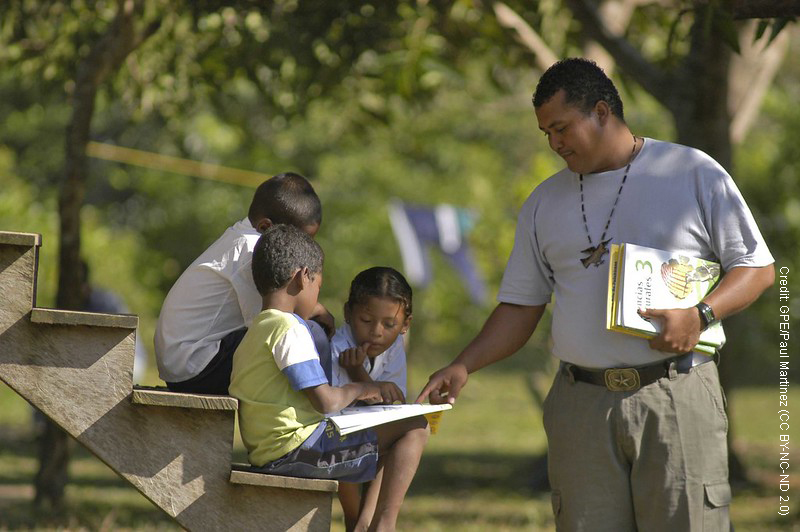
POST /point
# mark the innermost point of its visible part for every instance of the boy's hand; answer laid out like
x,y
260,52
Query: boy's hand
x,y
391,393
354,357
372,393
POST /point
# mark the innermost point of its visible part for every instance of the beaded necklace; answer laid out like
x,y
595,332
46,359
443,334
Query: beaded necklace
x,y
595,254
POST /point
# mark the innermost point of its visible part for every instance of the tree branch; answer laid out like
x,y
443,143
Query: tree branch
x,y
616,15
507,17
627,57
751,73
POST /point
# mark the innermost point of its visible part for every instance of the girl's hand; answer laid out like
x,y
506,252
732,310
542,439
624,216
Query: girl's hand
x,y
391,393
353,357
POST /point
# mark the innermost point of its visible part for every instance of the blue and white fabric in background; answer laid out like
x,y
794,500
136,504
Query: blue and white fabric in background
x,y
417,228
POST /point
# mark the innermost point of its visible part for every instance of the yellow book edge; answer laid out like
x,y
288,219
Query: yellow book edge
x,y
434,418
612,286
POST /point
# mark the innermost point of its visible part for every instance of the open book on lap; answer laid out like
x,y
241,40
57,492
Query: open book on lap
x,y
357,418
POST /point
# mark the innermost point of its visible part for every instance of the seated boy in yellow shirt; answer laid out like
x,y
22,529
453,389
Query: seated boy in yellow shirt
x,y
284,394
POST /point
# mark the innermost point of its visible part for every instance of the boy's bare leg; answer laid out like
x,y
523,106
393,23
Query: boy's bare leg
x,y
401,445
350,499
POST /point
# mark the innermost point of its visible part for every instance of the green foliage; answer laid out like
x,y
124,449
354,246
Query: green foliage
x,y
774,25
370,102
22,209
427,102
44,39
473,149
769,178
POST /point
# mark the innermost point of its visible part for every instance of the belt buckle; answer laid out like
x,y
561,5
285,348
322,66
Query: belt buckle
x,y
622,379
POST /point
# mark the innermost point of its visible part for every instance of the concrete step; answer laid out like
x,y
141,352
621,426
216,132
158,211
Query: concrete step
x,y
242,474
91,319
162,396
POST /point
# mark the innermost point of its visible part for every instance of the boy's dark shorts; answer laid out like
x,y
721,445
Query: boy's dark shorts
x,y
328,455
216,376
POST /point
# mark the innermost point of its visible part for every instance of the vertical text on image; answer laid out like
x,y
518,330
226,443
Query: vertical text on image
x,y
783,389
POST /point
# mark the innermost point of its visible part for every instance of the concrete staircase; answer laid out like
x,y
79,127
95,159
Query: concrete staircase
x,y
77,367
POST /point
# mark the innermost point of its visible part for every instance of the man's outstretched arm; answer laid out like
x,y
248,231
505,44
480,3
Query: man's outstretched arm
x,y
504,333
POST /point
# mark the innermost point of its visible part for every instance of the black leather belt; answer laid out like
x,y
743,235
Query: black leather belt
x,y
631,379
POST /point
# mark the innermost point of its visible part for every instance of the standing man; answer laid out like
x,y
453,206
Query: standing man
x,y
623,456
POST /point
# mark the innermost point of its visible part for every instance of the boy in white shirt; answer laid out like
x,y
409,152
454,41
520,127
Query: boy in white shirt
x,y
208,310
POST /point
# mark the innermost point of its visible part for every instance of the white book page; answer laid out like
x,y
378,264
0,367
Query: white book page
x,y
356,418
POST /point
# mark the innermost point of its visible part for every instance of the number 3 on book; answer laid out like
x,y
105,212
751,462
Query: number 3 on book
x,y
640,264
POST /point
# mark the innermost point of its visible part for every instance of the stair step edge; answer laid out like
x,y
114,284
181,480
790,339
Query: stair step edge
x,y
160,396
74,317
240,474
20,239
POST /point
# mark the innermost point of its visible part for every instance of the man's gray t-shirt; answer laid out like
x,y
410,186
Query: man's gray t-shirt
x,y
675,198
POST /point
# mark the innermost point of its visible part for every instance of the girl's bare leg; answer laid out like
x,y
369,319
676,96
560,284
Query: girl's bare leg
x,y
401,445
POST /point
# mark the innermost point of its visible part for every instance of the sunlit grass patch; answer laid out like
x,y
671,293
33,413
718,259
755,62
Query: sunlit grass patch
x,y
476,475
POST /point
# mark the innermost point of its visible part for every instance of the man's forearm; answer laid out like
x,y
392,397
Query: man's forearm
x,y
504,333
681,328
738,289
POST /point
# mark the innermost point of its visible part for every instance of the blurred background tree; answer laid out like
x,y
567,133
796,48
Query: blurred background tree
x,y
425,101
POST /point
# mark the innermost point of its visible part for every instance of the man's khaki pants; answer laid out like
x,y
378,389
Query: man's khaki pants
x,y
650,460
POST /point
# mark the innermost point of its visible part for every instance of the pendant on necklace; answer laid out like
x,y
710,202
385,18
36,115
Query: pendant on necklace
x,y
595,254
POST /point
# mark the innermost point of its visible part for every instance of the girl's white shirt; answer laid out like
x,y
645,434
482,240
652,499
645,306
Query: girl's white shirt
x,y
389,366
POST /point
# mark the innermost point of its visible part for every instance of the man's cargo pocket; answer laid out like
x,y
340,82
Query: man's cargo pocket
x,y
718,501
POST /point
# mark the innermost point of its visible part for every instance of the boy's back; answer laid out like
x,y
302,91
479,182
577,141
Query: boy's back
x,y
275,361
206,313
212,298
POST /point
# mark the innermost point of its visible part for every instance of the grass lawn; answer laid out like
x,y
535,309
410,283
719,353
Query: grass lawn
x,y
477,473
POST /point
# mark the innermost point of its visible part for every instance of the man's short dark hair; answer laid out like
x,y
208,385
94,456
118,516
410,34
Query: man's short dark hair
x,y
286,198
279,253
584,85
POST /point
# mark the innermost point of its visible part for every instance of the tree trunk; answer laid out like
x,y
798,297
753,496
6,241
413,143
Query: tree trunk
x,y
705,123
54,450
700,107
54,443
105,58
